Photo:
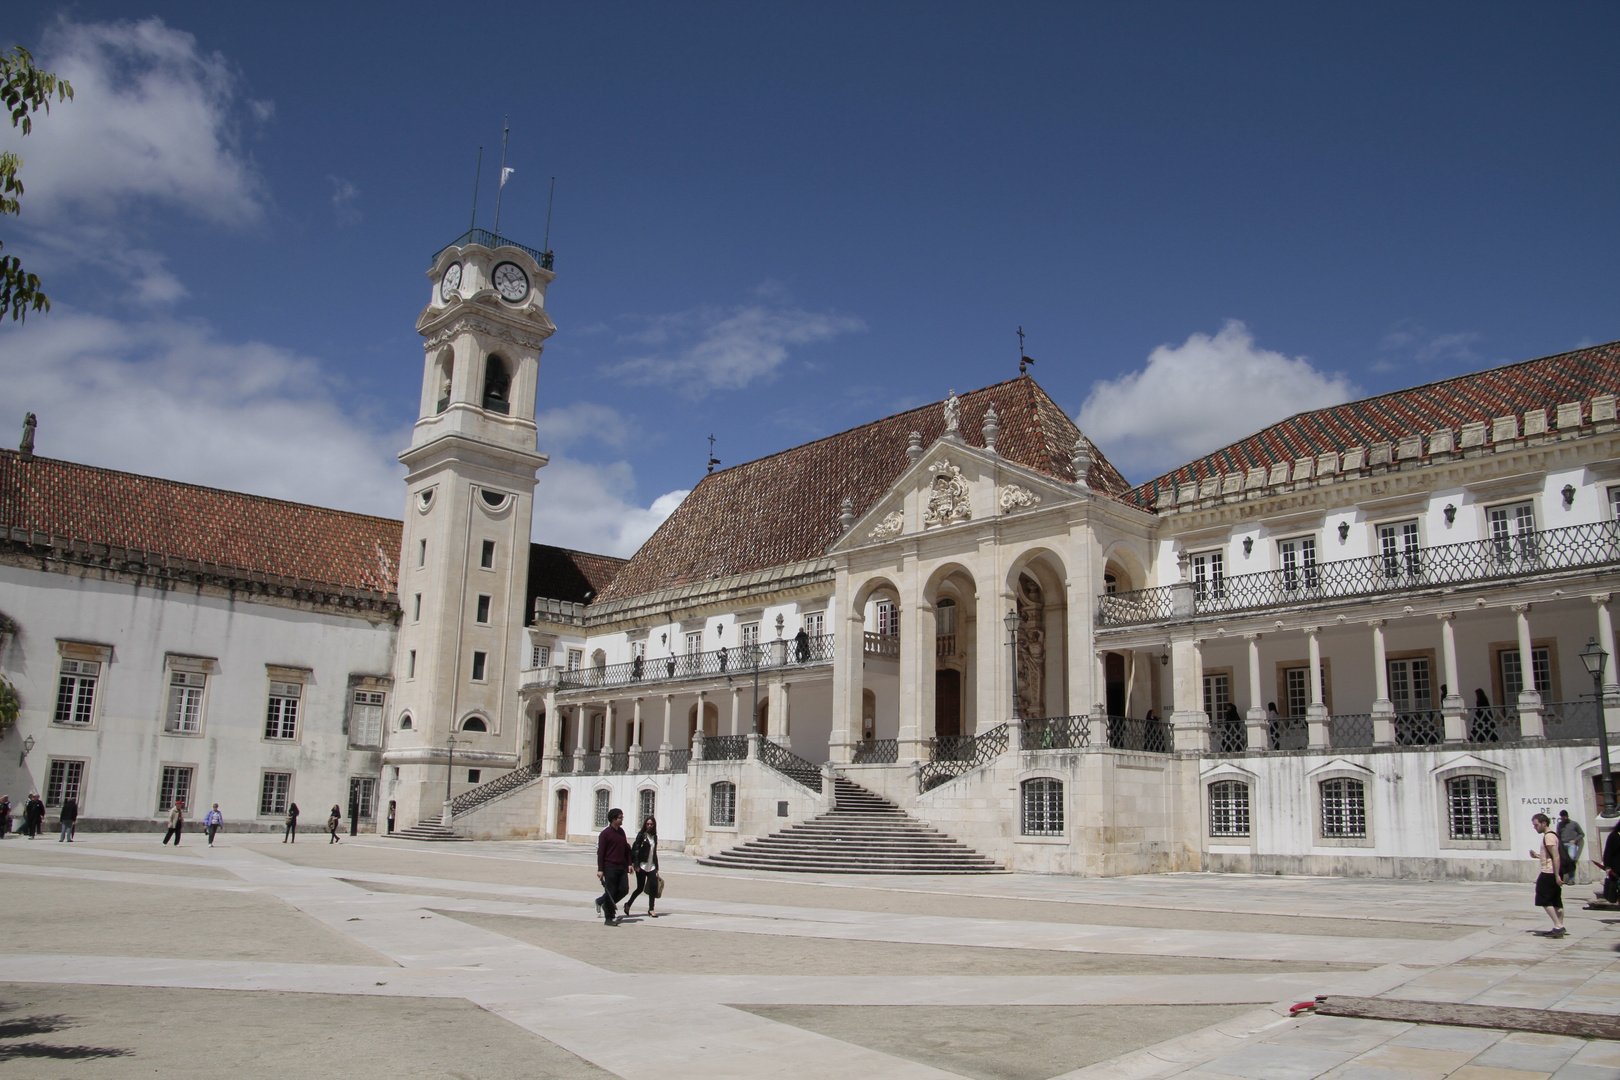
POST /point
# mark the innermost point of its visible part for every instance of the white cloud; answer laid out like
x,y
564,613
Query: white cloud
x,y
709,348
1196,397
152,119
1409,342
344,194
570,424
169,398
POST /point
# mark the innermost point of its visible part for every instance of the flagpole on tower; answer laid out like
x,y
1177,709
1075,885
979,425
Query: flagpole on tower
x,y
505,172
478,171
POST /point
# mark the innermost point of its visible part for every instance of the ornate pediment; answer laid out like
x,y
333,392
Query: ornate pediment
x,y
1014,497
948,496
891,526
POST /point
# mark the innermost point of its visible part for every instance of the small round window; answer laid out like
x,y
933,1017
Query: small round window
x,y
494,499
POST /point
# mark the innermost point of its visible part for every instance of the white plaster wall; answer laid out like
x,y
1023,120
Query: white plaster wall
x,y
761,791
623,792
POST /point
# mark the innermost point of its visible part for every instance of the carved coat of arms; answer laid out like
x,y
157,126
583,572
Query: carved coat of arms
x,y
947,496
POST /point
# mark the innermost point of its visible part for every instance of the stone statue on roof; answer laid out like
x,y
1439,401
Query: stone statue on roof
x,y
26,447
953,414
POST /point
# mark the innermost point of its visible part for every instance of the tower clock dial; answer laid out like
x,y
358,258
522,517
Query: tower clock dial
x,y
450,282
511,282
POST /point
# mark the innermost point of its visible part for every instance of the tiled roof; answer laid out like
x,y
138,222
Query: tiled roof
x,y
577,577
784,508
1511,390
227,528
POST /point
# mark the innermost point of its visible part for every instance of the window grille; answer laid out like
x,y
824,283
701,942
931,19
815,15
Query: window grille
x,y
281,718
1473,809
648,804
1209,575
723,803
366,718
62,782
1043,807
274,788
76,692
602,797
363,796
175,786
1229,808
1344,808
185,701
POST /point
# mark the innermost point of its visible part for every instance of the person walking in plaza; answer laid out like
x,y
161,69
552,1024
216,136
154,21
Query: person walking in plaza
x,y
291,835
5,815
612,865
33,815
177,821
332,820
1573,837
644,857
69,817
1609,884
212,821
1549,894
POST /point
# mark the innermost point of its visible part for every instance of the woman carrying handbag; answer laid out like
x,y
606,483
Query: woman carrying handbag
x,y
644,856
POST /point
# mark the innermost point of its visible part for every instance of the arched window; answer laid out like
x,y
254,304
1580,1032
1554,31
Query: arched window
x,y
405,722
1344,808
764,717
723,803
497,385
1229,808
1043,807
1471,806
603,795
474,723
647,802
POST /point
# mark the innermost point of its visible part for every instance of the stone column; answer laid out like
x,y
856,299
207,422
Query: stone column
x,y
849,680
1316,715
607,736
1259,738
635,734
551,754
917,665
1099,708
1383,710
702,709
1186,694
736,709
1611,689
1451,707
581,736
1530,723
664,747
785,738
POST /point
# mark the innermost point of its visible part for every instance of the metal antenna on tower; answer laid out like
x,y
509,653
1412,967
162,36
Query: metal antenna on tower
x,y
477,172
545,247
713,461
1022,359
505,172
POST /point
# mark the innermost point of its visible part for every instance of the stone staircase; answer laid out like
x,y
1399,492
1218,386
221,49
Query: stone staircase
x,y
864,834
427,830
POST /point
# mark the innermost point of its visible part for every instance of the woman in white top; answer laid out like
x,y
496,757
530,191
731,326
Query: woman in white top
x,y
644,856
1549,894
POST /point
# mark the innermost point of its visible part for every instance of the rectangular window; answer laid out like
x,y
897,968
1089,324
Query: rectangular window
x,y
1297,684
749,634
416,610
185,701
602,808
1614,503
888,619
63,781
421,553
274,788
1410,685
576,659
281,718
1398,544
76,692
648,803
694,643
1209,575
483,609
479,661
366,717
540,656
1513,532
1298,559
1472,807
1043,807
815,623
1344,808
410,665
363,796
486,557
473,775
174,786
1513,673
1217,695
1229,808
723,803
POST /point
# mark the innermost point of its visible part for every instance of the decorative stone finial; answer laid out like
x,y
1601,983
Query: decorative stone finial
x,y
953,414
1081,460
914,449
26,447
846,514
992,428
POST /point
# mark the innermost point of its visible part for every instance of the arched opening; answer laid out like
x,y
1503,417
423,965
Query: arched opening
x,y
764,716
1038,583
405,722
474,723
598,667
952,595
446,376
539,750
711,721
497,385
1114,682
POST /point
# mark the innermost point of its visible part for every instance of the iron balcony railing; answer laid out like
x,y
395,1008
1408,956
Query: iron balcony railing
x,y
725,748
1088,732
739,661
951,756
644,761
495,240
483,793
876,752
1494,558
1483,726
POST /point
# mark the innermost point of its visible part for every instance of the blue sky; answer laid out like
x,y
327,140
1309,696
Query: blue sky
x,y
776,221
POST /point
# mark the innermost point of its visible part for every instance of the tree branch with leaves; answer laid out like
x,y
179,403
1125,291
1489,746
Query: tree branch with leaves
x,y
24,89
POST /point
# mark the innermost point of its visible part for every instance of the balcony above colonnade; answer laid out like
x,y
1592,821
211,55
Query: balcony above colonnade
x,y
1576,552
769,658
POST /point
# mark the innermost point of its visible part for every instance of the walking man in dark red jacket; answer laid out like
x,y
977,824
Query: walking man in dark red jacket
x,y
612,866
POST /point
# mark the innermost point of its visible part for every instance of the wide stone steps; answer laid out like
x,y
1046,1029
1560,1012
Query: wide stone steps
x,y
427,830
865,834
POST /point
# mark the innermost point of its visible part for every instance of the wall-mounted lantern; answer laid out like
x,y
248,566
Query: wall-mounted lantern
x,y
1451,513
1569,496
1248,546
1344,531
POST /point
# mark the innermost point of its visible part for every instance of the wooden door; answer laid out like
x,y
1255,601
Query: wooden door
x,y
947,703
562,814
1114,678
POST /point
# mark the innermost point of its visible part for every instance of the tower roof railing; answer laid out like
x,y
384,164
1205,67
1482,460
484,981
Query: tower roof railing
x,y
495,240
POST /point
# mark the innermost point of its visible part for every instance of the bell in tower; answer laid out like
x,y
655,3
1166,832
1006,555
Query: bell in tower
x,y
469,507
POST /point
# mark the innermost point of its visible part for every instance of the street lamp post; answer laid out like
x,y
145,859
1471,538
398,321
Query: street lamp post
x,y
450,765
1594,658
1011,623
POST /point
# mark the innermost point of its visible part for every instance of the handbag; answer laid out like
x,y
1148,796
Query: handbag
x,y
658,887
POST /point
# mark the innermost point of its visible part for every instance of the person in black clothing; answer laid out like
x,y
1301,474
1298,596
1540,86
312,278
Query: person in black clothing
x,y
33,815
612,865
69,816
292,824
1609,887
801,646
644,857
5,815
332,822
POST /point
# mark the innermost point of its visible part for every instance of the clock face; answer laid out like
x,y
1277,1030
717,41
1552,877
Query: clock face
x,y
511,282
450,282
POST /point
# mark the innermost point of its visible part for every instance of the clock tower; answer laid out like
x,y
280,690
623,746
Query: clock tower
x,y
469,505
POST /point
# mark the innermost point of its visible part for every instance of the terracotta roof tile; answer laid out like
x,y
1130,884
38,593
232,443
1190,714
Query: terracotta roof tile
x,y
577,577
784,508
1543,383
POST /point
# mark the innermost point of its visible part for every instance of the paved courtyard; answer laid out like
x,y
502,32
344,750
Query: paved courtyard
x,y
122,958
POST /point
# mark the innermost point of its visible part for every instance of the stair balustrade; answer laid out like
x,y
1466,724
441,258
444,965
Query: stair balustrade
x,y
951,756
